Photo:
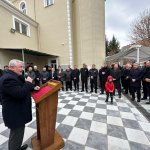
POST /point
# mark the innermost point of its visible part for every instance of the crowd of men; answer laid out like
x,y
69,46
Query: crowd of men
x,y
15,89
128,78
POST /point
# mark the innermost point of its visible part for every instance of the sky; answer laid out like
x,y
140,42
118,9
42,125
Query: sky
x,y
120,14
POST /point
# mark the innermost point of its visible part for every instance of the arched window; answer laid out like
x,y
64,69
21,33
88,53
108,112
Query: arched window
x,y
23,7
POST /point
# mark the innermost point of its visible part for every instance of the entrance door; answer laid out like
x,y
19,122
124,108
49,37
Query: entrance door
x,y
53,63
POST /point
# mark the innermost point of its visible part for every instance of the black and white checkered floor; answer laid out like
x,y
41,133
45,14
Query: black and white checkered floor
x,y
86,122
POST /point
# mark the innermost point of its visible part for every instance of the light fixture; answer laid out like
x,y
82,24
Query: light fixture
x,y
12,30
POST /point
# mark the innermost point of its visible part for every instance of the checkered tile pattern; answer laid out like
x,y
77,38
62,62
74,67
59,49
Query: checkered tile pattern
x,y
86,122
144,105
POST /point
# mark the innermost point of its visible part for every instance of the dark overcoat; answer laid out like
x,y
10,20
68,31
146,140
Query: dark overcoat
x,y
147,75
117,75
76,74
137,75
15,95
104,73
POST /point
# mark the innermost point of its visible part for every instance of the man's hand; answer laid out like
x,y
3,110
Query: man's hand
x,y
28,79
147,80
37,88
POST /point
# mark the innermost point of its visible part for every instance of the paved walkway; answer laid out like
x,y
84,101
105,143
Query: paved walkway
x,y
86,122
144,105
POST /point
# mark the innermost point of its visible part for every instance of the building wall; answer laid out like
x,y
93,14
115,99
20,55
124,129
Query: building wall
x,y
89,31
15,40
53,29
6,56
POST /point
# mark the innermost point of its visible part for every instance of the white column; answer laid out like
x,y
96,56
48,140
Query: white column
x,y
69,33
138,55
23,59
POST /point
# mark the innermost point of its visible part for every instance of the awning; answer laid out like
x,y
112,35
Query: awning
x,y
24,51
29,51
144,53
135,52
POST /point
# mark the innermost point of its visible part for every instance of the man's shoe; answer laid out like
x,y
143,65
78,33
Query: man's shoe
x,y
147,102
138,100
119,96
24,147
82,91
101,93
143,98
133,99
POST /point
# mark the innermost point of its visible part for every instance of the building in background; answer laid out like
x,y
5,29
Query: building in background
x,y
130,54
53,32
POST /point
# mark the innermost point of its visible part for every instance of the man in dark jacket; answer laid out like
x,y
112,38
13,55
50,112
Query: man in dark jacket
x,y
53,74
68,79
126,79
61,76
116,74
49,70
84,77
31,74
147,79
75,77
44,75
104,72
135,81
93,73
144,83
1,72
16,103
122,76
37,76
5,69
69,67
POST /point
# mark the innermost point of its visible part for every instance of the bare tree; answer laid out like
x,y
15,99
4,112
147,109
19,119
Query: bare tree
x,y
140,29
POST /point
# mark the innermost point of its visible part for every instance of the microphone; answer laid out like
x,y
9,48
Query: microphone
x,y
26,75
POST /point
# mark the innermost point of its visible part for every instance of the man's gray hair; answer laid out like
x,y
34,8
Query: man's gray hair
x,y
14,62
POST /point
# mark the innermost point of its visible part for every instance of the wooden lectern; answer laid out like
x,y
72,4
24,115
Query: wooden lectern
x,y
46,100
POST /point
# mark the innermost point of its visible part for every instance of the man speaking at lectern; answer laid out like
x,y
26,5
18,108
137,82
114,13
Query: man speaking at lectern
x,y
15,94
